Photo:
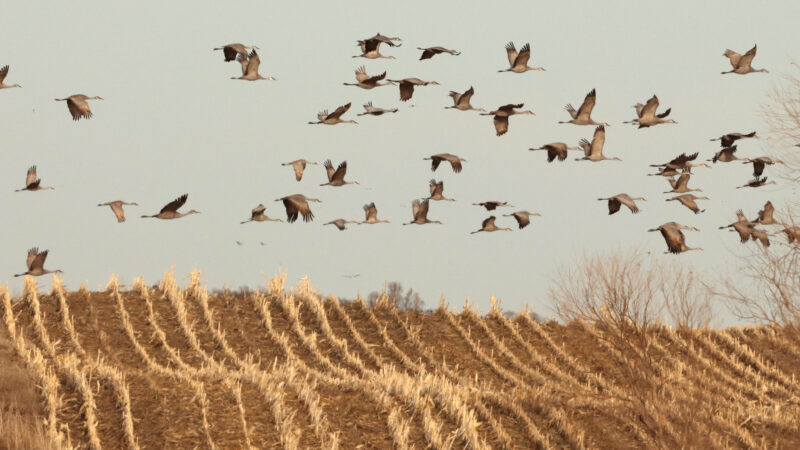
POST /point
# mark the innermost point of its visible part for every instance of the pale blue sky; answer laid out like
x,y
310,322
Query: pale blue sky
x,y
173,122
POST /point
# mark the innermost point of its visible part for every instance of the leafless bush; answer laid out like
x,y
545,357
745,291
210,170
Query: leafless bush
x,y
782,114
629,291
394,294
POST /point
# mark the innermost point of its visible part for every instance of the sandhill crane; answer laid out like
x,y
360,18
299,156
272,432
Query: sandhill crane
x,y
33,183
35,263
3,74
492,205
334,117
371,214
298,203
365,81
502,114
756,182
461,101
725,155
336,177
682,161
726,140
688,200
250,68
741,64
792,234
523,217
760,236
299,165
669,172
740,220
676,241
593,151
116,208
370,46
407,86
488,226
556,150
257,215
518,62
428,53
760,162
340,223
455,161
583,116
419,209
437,189
682,184
373,111
647,116
170,210
615,202
231,50
765,216
78,106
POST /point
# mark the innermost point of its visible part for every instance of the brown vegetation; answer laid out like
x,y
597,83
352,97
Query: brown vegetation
x,y
155,367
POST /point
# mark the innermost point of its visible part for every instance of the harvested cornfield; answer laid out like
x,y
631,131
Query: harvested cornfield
x,y
164,366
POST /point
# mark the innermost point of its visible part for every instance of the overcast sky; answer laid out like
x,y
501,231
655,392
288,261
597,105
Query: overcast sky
x,y
173,121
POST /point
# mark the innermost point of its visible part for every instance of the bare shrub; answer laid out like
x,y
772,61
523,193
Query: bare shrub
x,y
629,291
393,291
782,114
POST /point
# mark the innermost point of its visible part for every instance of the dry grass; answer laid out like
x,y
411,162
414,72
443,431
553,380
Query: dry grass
x,y
287,369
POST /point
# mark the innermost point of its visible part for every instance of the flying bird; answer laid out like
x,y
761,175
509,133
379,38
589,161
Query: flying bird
x,y
727,154
170,210
593,151
298,203
556,150
502,114
760,162
757,182
374,111
518,62
231,51
371,214
407,86
455,161
488,225
583,116
3,75
741,64
461,101
615,202
492,205
682,161
419,209
365,81
688,200
437,190
35,263
765,216
116,208
676,241
726,140
523,217
257,215
370,47
78,106
647,116
299,165
336,176
428,53
682,184
334,117
33,183
250,68
340,223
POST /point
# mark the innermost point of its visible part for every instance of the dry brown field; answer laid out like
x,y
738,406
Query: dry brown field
x,y
175,367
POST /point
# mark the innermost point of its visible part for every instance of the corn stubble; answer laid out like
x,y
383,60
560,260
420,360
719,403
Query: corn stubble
x,y
289,369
